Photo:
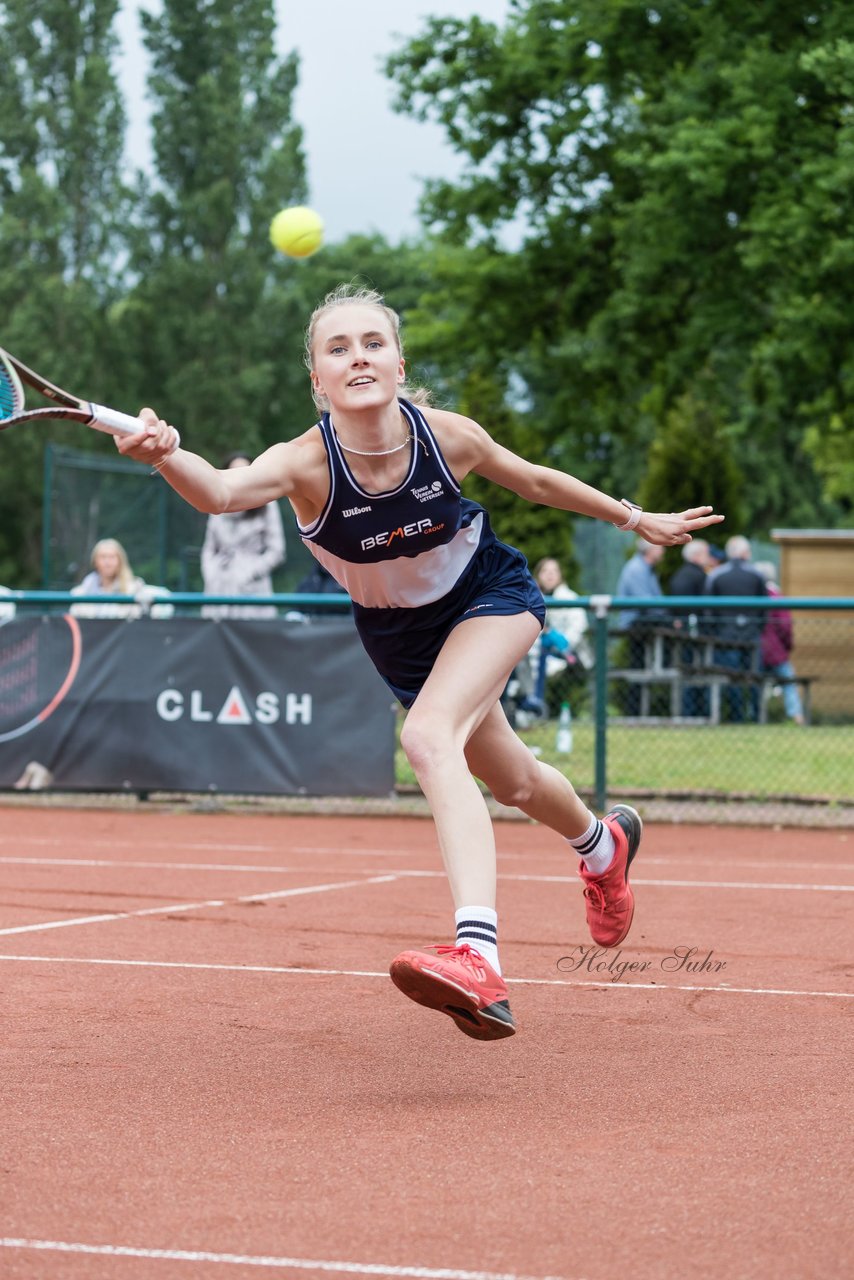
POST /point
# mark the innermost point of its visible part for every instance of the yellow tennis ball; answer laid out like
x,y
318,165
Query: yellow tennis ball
x,y
297,231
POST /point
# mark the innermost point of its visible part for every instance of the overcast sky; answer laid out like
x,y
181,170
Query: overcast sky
x,y
365,163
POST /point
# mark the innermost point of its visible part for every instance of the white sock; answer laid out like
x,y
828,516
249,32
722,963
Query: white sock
x,y
478,926
595,847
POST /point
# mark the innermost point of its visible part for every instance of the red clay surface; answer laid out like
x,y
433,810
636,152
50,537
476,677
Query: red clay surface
x,y
186,1097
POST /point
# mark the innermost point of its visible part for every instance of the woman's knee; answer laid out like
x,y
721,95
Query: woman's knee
x,y
424,740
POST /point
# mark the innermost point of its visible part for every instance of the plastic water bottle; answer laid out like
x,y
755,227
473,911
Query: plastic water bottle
x,y
563,739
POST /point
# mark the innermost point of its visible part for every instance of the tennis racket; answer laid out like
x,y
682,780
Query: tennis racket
x,y
65,406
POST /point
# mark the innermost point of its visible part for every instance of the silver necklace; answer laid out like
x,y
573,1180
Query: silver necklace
x,y
374,453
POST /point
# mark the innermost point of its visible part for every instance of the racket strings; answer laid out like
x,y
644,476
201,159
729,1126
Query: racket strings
x,y
11,392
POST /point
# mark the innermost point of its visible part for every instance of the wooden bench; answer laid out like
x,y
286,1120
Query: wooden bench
x,y
677,679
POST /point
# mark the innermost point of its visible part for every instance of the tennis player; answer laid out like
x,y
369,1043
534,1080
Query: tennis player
x,y
445,612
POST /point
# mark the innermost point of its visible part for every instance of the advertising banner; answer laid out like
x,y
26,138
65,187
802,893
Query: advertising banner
x,y
188,704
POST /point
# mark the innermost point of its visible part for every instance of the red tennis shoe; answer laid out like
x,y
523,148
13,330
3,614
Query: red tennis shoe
x,y
459,982
609,902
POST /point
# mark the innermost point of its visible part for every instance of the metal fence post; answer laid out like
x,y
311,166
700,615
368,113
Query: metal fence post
x,y
601,606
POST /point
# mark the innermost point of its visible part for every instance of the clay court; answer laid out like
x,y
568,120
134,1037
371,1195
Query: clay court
x,y
207,1072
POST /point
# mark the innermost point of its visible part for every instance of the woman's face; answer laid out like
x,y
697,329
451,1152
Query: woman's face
x,y
107,563
357,362
549,576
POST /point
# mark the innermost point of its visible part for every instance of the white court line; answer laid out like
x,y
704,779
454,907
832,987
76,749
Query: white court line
x,y
149,865
259,1260
195,906
372,973
666,884
400,872
677,884
216,846
207,846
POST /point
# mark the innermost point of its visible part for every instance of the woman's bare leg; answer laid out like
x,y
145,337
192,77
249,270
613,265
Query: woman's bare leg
x,y
515,777
462,690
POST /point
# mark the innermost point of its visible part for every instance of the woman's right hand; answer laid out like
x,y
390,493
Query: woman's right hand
x,y
155,441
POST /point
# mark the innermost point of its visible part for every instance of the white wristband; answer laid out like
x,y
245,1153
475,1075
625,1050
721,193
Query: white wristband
x,y
635,513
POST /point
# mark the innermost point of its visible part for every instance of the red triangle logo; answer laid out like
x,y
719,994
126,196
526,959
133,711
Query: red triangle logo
x,y
234,709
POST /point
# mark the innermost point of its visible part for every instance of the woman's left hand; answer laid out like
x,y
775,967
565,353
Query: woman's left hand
x,y
675,528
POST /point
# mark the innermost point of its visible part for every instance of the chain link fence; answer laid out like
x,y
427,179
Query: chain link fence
x,y
677,712
658,715
89,496
685,718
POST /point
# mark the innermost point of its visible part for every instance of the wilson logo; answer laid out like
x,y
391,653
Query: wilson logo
x,y
403,531
356,511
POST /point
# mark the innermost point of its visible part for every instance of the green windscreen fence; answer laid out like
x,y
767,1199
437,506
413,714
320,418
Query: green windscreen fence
x,y
89,496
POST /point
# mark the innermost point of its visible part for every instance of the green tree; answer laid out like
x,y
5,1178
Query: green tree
x,y
61,208
691,462
207,329
683,173
536,531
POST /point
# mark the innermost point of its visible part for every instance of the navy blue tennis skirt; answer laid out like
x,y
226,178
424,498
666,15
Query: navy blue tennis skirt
x,y
403,644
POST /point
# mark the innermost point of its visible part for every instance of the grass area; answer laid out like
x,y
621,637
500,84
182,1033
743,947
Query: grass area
x,y
756,760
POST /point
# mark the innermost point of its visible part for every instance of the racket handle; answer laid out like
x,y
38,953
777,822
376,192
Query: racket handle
x,y
120,424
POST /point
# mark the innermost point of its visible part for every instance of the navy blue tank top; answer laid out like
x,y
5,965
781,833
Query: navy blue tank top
x,y
403,548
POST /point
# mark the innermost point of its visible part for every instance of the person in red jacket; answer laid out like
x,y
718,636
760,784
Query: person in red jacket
x,y
776,644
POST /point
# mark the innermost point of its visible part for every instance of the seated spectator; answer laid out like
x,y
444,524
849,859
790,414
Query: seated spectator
x,y
111,575
564,641
776,644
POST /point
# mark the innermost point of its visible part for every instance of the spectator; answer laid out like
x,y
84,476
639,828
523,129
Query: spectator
x,y
110,575
690,580
638,578
7,608
776,644
737,632
240,552
564,640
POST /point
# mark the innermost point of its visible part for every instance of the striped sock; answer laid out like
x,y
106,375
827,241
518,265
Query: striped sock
x,y
478,926
595,847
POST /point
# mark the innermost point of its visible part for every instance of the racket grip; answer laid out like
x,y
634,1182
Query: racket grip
x,y
120,424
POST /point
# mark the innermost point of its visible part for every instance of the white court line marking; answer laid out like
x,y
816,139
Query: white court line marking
x,y
400,872
169,866
666,884
207,846
372,973
195,906
259,1260
216,846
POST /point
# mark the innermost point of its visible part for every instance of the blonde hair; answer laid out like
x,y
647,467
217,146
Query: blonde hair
x,y
345,295
125,580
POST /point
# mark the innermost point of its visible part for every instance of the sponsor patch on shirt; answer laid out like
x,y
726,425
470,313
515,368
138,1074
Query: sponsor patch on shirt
x,y
426,492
